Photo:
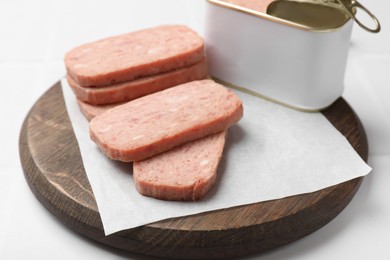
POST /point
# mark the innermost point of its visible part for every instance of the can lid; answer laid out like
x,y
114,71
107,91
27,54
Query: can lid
x,y
321,14
313,14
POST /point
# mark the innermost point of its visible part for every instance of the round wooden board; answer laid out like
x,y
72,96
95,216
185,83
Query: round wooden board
x,y
54,171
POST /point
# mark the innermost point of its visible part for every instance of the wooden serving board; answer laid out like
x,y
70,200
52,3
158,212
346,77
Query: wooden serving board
x,y
54,170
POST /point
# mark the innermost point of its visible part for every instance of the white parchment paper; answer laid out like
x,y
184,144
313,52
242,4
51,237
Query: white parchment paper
x,y
273,152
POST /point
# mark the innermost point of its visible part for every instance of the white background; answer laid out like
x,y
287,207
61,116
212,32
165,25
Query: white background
x,y
34,36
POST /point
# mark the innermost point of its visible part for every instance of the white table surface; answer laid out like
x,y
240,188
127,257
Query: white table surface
x,y
35,34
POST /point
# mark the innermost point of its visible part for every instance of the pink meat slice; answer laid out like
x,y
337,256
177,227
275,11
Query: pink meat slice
x,y
158,122
140,87
128,56
185,173
90,111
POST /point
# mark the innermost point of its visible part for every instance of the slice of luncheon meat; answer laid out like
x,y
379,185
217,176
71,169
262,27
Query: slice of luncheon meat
x,y
185,173
90,111
127,91
129,56
158,122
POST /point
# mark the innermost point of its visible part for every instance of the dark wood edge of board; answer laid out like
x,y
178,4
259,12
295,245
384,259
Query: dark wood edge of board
x,y
252,228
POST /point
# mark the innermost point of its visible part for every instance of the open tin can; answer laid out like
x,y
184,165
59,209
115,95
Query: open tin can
x,y
293,52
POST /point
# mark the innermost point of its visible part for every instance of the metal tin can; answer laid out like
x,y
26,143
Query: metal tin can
x,y
294,56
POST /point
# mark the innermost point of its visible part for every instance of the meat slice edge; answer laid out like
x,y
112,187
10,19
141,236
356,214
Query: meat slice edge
x,y
128,91
90,111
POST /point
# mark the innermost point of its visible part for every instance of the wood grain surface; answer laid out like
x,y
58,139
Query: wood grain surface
x,y
54,170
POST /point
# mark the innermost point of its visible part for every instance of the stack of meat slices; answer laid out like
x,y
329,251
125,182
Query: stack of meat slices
x,y
125,67
148,105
